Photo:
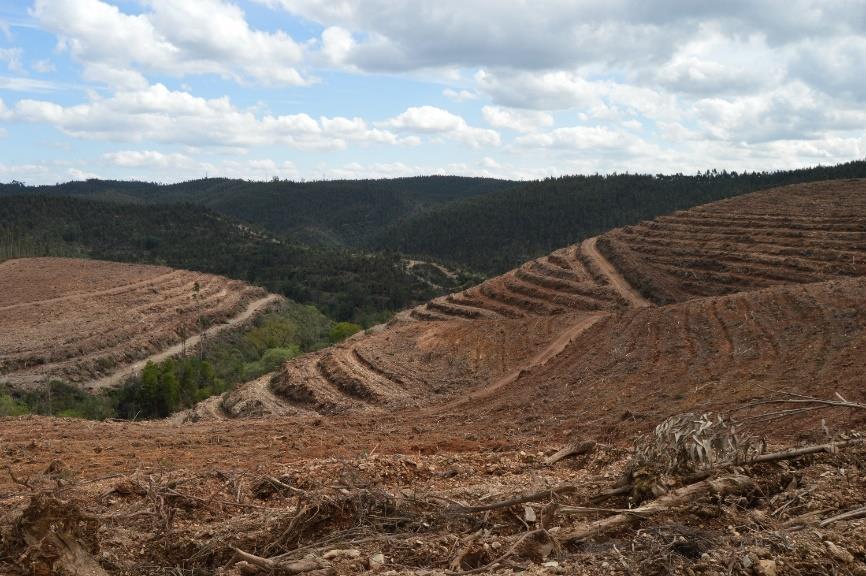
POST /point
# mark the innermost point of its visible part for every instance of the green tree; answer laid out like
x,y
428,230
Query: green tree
x,y
342,330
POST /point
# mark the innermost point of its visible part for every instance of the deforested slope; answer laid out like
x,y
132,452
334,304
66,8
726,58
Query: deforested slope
x,y
791,235
595,303
706,354
83,321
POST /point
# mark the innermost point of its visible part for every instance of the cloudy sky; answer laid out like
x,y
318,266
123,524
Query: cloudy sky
x,y
168,90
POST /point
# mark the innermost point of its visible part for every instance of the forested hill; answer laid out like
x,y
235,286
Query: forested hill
x,y
498,231
346,285
485,224
338,212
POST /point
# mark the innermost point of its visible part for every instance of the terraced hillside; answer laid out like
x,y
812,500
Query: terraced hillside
x,y
568,280
407,364
439,440
706,354
797,234
488,340
89,322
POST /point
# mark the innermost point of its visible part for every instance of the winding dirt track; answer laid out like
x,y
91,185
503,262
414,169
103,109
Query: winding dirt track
x,y
614,277
117,378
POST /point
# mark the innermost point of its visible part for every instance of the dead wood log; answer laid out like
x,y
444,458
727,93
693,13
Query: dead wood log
x,y
573,449
788,454
720,486
277,567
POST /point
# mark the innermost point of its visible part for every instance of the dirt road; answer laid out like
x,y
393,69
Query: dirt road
x,y
542,357
616,279
117,378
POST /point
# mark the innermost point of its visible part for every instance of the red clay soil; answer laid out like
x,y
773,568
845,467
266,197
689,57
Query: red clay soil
x,y
80,320
754,297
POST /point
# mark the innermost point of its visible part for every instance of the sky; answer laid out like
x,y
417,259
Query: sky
x,y
170,90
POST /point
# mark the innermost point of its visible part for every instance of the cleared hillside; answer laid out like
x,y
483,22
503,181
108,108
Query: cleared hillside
x,y
629,371
798,234
494,334
430,445
89,322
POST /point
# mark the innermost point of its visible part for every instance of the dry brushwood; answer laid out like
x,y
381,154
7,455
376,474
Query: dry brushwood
x,y
54,537
277,567
564,489
850,515
674,499
688,442
802,402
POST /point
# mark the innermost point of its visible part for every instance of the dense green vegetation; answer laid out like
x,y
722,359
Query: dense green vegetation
x,y
330,213
484,224
498,231
178,383
345,284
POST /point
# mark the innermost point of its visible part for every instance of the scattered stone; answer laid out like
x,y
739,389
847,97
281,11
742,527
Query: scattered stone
x,y
839,553
336,554
765,568
376,561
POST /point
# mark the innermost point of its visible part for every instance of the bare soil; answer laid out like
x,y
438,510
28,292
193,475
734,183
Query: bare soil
x,y
87,321
397,442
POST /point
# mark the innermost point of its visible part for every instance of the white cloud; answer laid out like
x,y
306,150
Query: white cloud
x,y
432,120
25,84
714,63
44,66
790,112
459,95
148,158
558,90
518,120
337,44
587,138
177,38
11,57
256,169
157,114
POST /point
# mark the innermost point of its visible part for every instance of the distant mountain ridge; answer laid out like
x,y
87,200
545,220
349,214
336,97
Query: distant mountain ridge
x,y
483,224
335,212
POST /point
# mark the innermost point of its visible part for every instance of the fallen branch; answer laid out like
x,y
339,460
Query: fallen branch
x,y
573,449
627,488
789,454
280,484
531,497
850,515
720,486
806,403
288,568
